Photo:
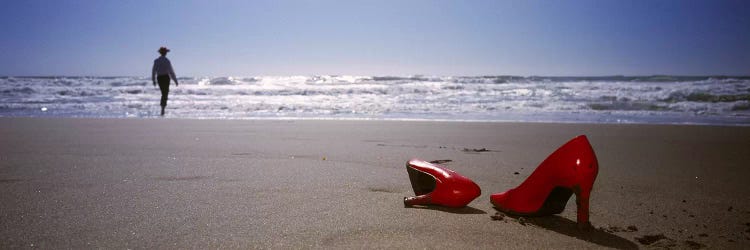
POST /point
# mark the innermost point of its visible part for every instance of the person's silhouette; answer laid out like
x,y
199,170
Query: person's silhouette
x,y
162,71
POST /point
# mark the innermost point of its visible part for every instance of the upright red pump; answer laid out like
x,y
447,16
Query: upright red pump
x,y
437,185
571,169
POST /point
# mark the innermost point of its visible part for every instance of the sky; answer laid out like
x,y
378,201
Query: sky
x,y
400,37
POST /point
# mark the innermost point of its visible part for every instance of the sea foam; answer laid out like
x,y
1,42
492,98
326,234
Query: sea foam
x,y
616,99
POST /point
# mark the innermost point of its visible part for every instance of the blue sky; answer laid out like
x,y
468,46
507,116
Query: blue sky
x,y
306,37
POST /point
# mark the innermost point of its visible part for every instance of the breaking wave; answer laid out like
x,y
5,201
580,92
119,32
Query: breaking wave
x,y
610,99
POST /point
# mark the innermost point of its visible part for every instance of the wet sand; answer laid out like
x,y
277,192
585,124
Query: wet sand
x,y
173,183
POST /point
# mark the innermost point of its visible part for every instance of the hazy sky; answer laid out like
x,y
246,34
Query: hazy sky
x,y
401,37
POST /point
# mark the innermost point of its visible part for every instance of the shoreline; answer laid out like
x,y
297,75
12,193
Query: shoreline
x,y
193,183
355,119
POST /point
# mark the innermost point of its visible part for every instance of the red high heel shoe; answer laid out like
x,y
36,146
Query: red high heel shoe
x,y
571,169
436,185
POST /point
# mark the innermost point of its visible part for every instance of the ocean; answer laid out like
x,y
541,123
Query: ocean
x,y
612,99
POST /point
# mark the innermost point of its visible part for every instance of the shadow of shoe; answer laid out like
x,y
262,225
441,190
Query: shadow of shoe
x,y
463,210
570,228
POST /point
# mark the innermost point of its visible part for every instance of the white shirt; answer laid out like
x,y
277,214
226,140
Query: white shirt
x,y
162,66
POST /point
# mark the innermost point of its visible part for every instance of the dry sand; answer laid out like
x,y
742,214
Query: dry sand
x,y
171,183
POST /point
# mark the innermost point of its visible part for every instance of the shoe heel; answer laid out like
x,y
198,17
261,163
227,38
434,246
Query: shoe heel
x,y
582,201
417,200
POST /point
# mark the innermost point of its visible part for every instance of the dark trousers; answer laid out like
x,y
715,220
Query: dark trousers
x,y
164,87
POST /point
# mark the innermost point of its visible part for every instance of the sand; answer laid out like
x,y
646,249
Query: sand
x,y
174,183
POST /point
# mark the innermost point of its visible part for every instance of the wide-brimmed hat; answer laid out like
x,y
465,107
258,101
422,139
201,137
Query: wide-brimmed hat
x,y
163,50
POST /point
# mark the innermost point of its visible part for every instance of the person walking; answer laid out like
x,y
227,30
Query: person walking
x,y
162,72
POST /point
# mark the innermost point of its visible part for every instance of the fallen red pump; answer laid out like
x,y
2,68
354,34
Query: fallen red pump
x,y
437,185
571,169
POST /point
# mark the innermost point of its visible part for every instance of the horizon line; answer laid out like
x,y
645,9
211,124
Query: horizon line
x,y
402,76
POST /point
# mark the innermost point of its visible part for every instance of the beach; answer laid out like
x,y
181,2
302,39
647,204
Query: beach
x,y
192,183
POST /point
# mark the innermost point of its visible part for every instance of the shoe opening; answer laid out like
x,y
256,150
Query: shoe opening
x,y
421,182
